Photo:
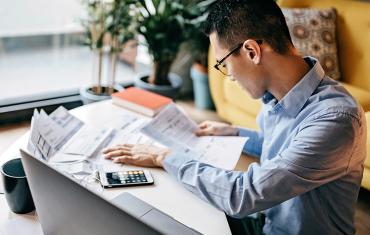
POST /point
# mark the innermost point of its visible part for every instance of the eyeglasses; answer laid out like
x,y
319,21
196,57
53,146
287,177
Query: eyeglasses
x,y
222,67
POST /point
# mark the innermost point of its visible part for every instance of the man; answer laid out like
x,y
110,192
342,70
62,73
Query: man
x,y
311,143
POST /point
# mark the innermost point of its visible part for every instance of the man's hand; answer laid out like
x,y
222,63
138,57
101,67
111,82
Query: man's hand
x,y
139,154
216,128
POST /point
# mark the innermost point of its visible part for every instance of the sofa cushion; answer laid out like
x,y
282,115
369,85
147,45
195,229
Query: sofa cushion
x,y
353,27
367,160
313,33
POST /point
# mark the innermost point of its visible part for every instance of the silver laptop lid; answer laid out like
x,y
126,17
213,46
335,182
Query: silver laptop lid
x,y
65,208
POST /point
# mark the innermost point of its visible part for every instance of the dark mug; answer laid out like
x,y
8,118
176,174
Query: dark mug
x,y
16,189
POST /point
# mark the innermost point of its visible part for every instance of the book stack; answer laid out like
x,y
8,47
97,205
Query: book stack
x,y
140,101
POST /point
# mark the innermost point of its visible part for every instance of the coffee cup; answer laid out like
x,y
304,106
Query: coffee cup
x,y
16,189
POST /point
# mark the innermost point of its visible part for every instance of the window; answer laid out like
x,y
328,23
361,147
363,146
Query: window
x,y
41,55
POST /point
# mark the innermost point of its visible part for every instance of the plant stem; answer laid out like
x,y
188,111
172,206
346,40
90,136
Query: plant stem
x,y
113,63
100,70
160,73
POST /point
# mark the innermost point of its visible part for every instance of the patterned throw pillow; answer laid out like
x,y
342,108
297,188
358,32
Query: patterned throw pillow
x,y
313,34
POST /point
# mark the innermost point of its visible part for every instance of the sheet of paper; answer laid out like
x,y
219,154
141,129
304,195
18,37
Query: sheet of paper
x,y
223,152
132,135
52,132
86,141
174,129
49,133
37,144
60,157
68,122
118,119
34,135
76,168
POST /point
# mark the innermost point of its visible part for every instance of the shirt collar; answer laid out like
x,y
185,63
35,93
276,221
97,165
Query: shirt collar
x,y
294,100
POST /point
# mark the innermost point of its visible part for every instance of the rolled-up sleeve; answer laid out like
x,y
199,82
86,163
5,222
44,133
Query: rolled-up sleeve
x,y
319,153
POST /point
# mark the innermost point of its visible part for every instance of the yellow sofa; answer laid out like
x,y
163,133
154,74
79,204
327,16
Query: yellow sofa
x,y
353,27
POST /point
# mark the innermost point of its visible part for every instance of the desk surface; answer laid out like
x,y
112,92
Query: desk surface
x,y
166,194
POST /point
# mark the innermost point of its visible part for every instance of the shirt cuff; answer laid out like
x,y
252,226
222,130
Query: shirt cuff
x,y
254,143
246,132
174,161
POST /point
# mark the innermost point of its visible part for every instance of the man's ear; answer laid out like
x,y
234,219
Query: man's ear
x,y
253,51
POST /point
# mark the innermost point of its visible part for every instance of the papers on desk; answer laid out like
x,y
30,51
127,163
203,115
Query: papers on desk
x,y
172,128
86,140
132,134
61,137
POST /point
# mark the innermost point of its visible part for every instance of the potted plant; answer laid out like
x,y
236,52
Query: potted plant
x,y
121,29
108,26
198,45
165,26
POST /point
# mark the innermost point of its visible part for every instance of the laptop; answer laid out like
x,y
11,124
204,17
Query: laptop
x,y
64,207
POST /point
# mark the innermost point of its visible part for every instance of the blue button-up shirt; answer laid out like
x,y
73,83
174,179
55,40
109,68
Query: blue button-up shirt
x,y
311,146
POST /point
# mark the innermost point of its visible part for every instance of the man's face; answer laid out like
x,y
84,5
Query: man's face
x,y
241,67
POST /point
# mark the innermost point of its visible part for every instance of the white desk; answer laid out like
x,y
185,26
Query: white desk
x,y
166,194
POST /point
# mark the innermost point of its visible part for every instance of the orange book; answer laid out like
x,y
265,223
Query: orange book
x,y
141,101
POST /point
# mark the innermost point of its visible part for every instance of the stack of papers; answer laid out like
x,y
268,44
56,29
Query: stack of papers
x,y
61,137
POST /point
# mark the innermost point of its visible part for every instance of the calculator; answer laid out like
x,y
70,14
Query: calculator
x,y
125,178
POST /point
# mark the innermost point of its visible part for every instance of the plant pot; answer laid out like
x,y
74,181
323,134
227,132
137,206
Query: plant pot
x,y
181,66
88,96
172,91
202,94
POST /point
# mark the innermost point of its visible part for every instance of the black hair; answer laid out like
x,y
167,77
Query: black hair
x,y
235,21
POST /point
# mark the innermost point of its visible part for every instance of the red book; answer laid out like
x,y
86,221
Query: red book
x,y
141,101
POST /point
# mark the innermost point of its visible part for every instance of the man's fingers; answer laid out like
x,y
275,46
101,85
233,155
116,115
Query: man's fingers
x,y
115,148
116,153
107,150
121,159
203,129
203,125
127,159
128,145
204,132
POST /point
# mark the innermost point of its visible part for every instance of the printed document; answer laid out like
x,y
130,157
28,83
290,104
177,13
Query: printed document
x,y
68,122
172,128
86,141
61,137
37,145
